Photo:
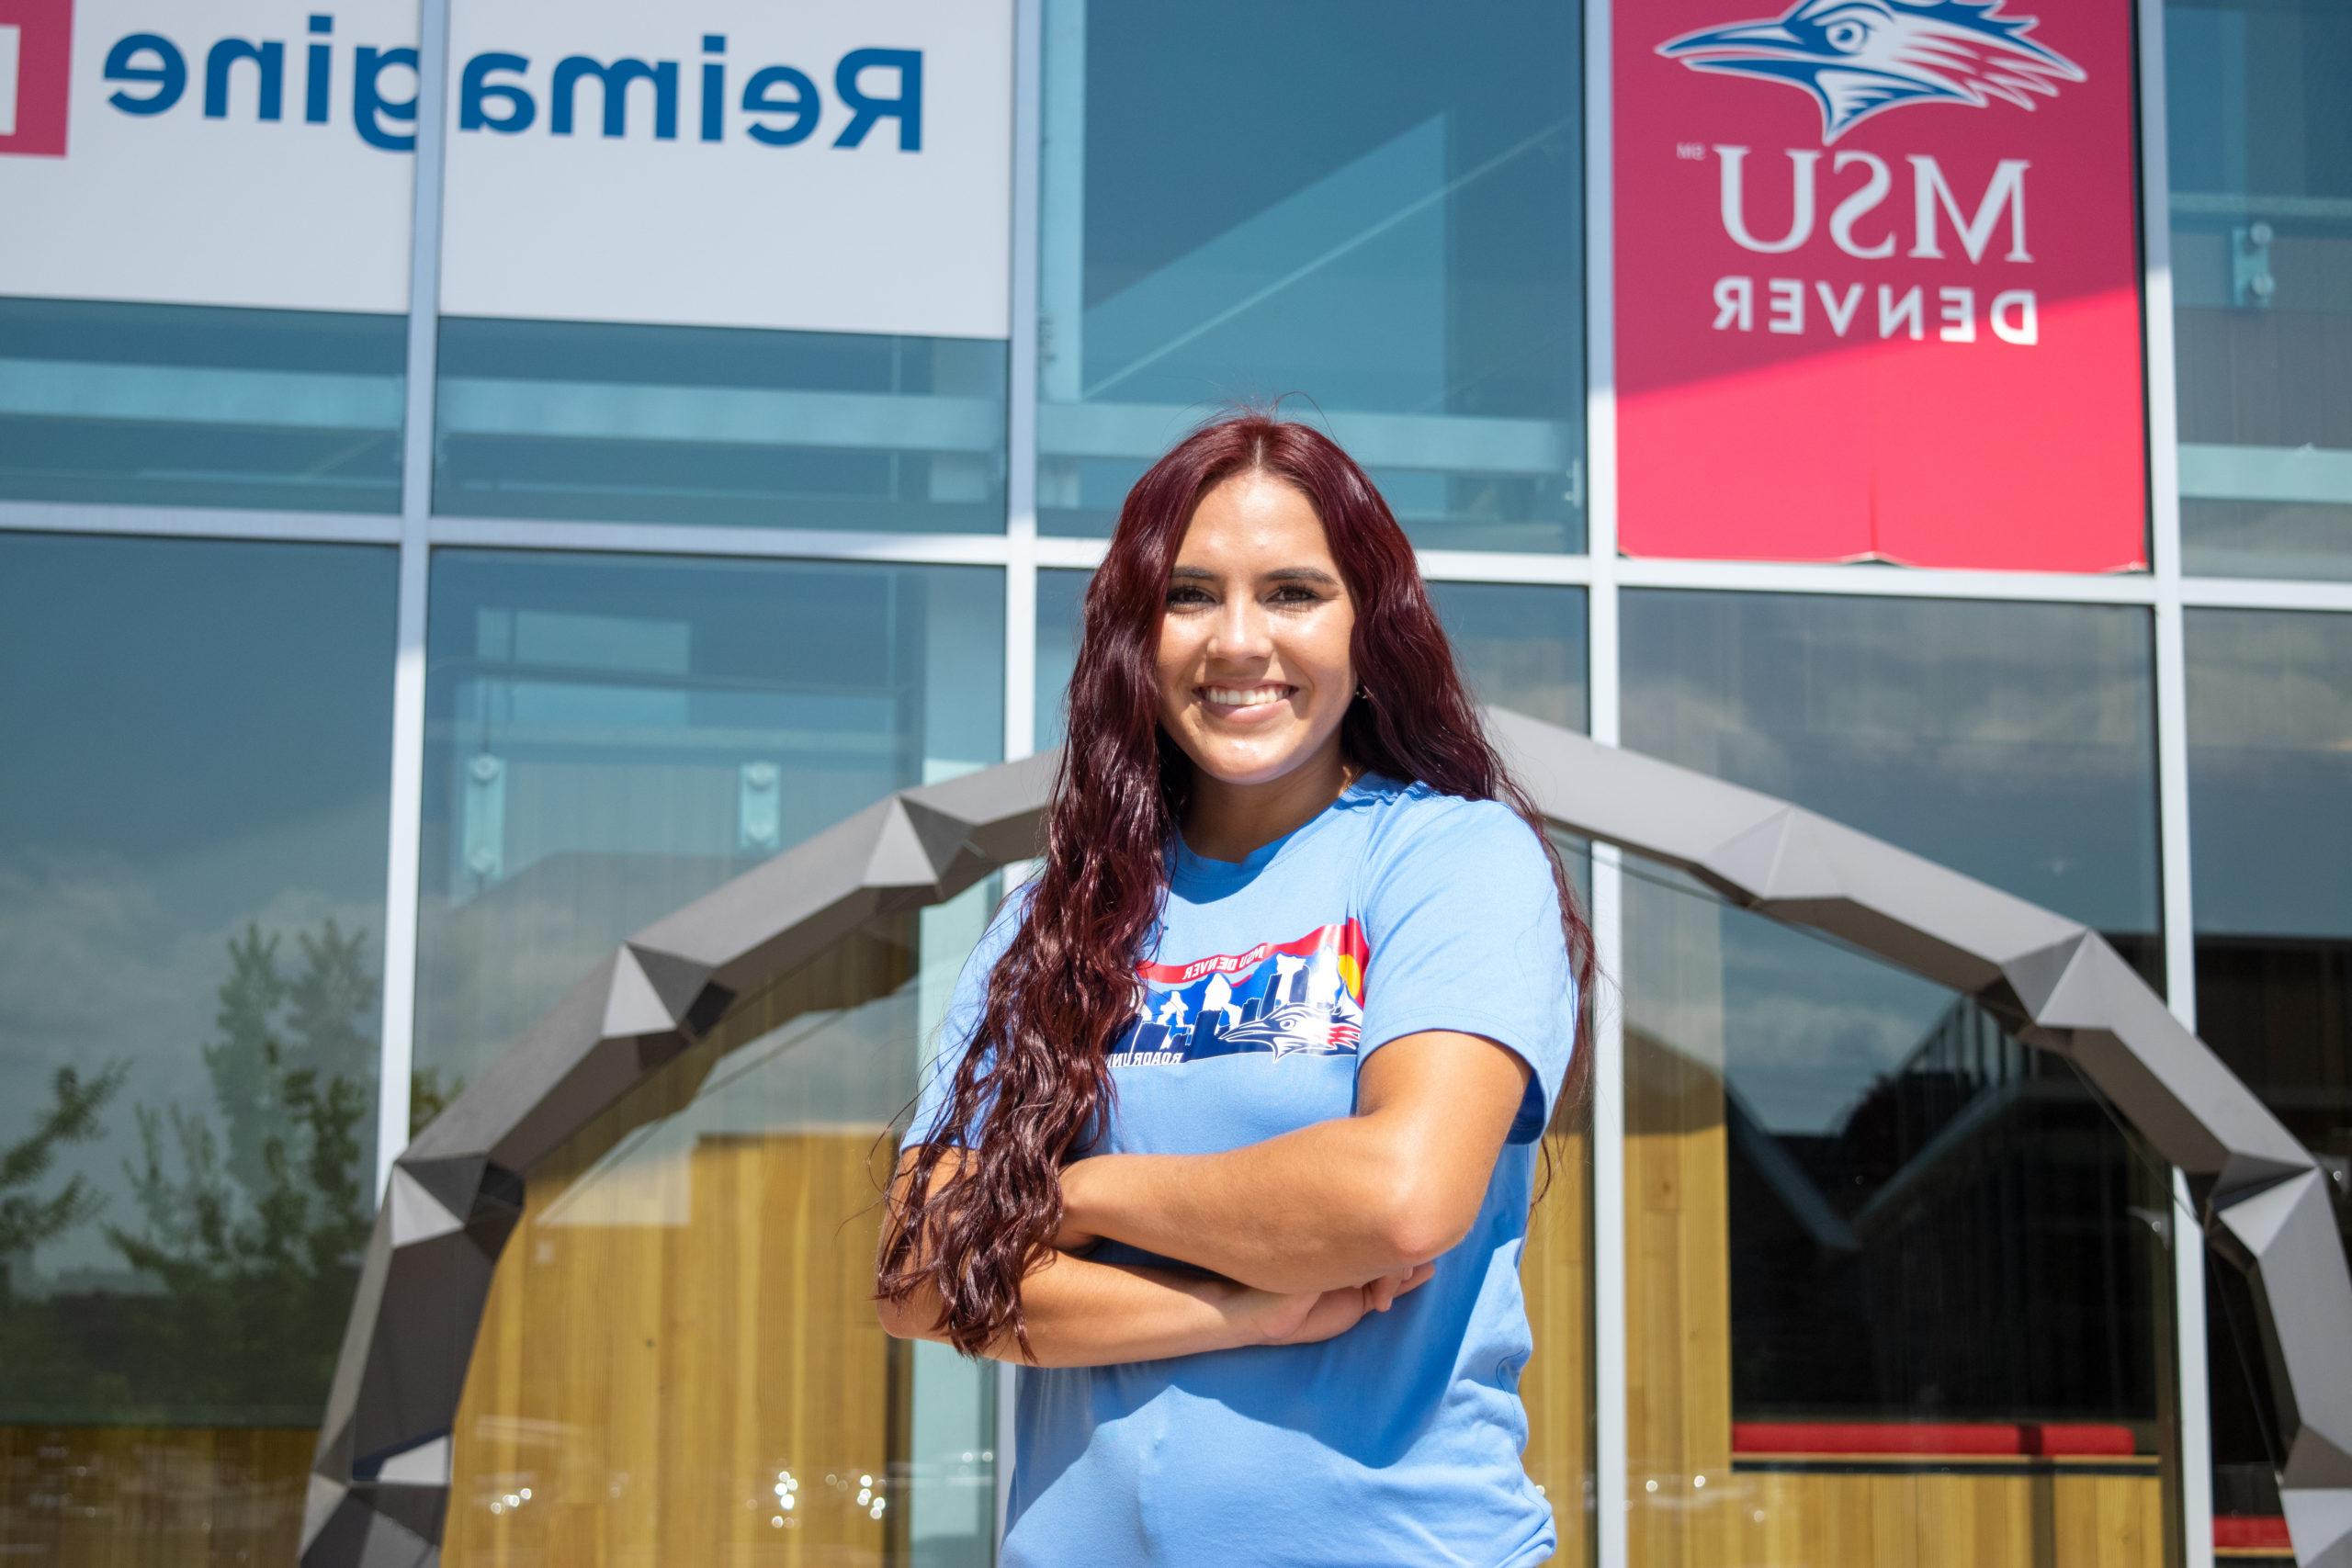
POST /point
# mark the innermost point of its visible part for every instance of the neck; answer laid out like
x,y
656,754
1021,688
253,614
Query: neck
x,y
1226,821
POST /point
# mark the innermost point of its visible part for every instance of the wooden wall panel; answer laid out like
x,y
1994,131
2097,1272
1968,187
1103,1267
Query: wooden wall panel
x,y
1677,1287
1555,1274
681,1318
650,1383
152,1497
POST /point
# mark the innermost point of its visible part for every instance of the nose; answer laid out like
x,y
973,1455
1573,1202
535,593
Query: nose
x,y
1241,632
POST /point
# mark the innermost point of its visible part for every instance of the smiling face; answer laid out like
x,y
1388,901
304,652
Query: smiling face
x,y
1254,670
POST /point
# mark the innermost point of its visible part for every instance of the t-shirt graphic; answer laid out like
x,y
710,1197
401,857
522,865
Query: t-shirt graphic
x,y
1305,995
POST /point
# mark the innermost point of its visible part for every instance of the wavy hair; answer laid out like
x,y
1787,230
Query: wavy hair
x,y
1065,985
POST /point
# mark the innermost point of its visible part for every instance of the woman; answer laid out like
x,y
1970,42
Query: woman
x,y
1241,1166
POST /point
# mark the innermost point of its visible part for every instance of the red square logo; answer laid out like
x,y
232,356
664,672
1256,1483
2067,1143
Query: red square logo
x,y
35,64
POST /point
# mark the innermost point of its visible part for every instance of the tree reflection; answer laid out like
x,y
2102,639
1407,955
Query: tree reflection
x,y
27,1219
245,1221
255,1230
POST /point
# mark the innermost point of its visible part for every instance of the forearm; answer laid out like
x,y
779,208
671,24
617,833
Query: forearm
x,y
1314,1209
1084,1314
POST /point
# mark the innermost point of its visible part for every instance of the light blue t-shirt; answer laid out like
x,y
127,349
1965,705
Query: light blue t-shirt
x,y
1395,909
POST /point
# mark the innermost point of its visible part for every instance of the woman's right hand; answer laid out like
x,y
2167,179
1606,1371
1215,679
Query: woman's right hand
x,y
1302,1317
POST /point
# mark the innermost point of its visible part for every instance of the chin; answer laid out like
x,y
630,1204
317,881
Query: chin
x,y
1248,769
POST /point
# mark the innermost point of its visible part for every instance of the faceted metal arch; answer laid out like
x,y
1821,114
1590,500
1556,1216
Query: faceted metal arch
x,y
379,1481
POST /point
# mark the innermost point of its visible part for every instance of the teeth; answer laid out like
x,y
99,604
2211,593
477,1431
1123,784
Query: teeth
x,y
1232,697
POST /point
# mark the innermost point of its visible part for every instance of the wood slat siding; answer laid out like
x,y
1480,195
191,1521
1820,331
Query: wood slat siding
x,y
648,1383
676,1322
152,1497
1555,1272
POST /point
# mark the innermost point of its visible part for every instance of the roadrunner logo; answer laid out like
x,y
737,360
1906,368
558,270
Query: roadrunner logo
x,y
1303,996
1857,57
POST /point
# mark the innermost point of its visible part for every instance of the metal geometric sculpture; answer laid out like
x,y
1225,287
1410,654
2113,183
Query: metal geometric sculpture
x,y
379,1482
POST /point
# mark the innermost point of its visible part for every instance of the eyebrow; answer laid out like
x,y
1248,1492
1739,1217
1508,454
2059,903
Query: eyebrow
x,y
1280,574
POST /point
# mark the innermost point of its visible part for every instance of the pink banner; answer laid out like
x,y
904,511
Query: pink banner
x,y
1877,281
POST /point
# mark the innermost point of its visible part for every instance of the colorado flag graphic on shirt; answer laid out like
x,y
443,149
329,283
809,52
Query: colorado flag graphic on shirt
x,y
1301,996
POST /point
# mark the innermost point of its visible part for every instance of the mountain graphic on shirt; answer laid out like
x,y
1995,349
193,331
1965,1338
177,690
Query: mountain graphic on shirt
x,y
1300,996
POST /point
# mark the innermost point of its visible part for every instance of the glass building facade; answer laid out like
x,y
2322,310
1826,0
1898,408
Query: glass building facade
x,y
464,647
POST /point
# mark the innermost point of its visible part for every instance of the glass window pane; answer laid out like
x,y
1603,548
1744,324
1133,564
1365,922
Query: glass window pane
x,y
610,736
1869,1234
705,425
1392,231
2270,771
2015,742
1520,645
1886,1267
722,1218
193,806
175,405
1061,597
2260,139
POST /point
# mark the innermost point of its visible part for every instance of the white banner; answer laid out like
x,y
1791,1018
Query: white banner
x,y
737,163
239,152
733,163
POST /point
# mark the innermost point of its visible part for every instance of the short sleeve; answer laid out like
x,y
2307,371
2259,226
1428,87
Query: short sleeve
x,y
961,1020
1462,925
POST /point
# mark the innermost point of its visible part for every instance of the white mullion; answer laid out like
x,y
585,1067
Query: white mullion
x,y
679,539
1479,566
2263,593
2195,1436
1082,555
401,894
197,522
1020,542
1611,1493
1889,582
1021,514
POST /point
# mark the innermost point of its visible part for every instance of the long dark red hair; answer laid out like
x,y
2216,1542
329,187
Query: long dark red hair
x,y
1066,986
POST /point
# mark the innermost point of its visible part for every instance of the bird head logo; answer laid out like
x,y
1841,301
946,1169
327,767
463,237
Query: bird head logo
x,y
1857,57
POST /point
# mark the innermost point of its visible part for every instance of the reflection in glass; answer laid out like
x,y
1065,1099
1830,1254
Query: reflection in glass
x,y
1391,228
2261,164
2270,771
2013,741
1061,599
1887,1268
607,737
678,1362
704,425
1867,1233
173,405
193,798
1520,645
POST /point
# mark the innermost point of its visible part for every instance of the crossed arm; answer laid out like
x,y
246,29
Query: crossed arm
x,y
1337,1205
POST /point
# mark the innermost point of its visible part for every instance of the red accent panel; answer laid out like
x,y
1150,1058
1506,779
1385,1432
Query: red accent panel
x,y
2248,1532
2049,1440
2080,1440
